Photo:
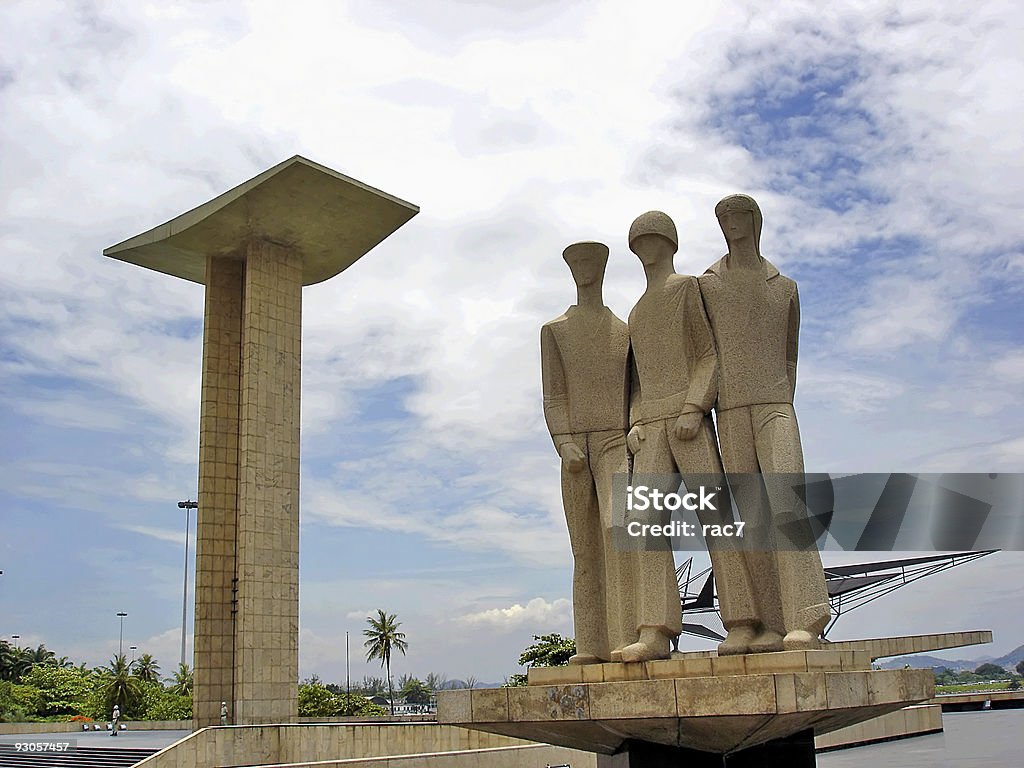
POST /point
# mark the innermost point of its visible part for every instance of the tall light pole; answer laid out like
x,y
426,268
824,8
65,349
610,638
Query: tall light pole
x,y
120,637
186,505
133,649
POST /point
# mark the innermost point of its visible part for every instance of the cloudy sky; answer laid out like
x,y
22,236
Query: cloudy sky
x,y
883,143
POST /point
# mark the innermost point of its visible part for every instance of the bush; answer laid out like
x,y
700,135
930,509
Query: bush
x,y
18,702
316,701
354,705
62,691
170,706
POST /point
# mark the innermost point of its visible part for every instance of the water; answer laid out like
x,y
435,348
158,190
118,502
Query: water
x,y
993,739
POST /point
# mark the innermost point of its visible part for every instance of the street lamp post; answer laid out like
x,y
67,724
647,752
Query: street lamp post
x,y
133,649
120,637
186,505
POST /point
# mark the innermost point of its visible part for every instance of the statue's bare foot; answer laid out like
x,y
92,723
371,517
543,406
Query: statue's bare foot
x,y
652,645
737,641
766,641
799,640
616,655
584,658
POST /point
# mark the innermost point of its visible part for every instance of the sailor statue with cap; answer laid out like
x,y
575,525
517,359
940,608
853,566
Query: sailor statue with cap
x,y
675,385
584,368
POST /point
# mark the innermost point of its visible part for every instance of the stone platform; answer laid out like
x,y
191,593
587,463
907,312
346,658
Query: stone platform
x,y
704,703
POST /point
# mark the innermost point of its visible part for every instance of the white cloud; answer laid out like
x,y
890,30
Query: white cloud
x,y
538,612
1010,367
516,133
161,534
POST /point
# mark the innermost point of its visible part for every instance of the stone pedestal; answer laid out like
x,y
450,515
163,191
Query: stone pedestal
x,y
254,247
640,714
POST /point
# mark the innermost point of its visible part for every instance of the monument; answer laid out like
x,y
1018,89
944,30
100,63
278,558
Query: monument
x,y
755,315
727,341
584,370
675,384
254,248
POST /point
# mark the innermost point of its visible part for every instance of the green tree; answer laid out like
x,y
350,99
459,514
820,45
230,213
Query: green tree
x,y
551,650
169,706
436,682
41,656
18,702
990,670
181,682
373,685
415,692
146,668
382,638
15,662
354,705
118,686
64,691
7,658
1020,668
316,701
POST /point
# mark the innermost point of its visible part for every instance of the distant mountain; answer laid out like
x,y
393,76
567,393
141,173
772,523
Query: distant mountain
x,y
924,661
456,684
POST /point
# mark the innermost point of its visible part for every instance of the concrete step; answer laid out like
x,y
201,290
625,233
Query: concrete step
x,y
81,757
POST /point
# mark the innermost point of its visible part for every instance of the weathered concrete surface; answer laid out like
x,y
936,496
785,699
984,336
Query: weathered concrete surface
x,y
883,647
731,711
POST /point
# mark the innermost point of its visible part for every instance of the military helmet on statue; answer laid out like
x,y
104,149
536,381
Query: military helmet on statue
x,y
654,223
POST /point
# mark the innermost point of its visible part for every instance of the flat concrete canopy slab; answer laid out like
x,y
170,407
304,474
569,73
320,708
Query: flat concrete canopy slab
x,y
329,218
718,714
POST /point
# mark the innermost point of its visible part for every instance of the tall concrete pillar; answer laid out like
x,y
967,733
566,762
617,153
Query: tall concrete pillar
x,y
254,247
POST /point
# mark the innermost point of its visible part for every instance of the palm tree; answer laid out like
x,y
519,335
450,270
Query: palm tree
x,y
147,669
436,682
372,685
381,638
8,657
181,684
21,660
41,655
119,686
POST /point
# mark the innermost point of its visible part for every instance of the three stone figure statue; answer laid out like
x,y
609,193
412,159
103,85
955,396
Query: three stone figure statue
x,y
726,341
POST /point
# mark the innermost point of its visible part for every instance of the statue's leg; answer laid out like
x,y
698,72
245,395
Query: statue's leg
x,y
805,603
700,466
740,457
658,610
582,515
608,451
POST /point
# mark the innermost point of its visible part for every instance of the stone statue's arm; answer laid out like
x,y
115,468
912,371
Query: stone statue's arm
x,y
703,389
793,339
556,393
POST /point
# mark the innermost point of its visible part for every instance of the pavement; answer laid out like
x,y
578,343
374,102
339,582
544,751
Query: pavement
x,y
129,739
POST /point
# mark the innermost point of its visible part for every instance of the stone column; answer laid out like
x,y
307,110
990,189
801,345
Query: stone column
x,y
218,490
267,618
254,247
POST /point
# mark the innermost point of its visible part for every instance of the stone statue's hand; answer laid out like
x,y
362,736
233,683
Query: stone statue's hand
x,y
634,438
572,457
688,425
